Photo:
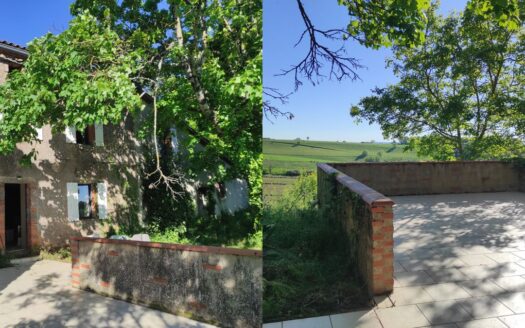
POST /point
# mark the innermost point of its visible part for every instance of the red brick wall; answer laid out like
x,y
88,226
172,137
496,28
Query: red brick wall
x,y
367,217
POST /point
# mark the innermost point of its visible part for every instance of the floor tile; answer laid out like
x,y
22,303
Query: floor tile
x,y
484,307
410,295
317,322
478,272
514,321
398,267
359,319
520,254
407,316
446,291
479,259
482,323
444,312
511,284
383,301
273,325
416,278
477,288
447,275
514,301
503,257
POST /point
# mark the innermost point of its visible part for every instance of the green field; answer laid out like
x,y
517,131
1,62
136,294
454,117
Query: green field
x,y
281,156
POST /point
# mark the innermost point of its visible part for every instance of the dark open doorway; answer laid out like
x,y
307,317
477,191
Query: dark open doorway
x,y
15,230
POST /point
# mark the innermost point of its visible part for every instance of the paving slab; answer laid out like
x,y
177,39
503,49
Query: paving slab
x,y
407,316
484,307
513,321
415,278
514,301
410,295
446,291
358,319
482,323
444,312
39,295
318,322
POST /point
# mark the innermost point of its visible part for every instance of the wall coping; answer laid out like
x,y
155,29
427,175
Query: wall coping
x,y
418,163
369,195
180,247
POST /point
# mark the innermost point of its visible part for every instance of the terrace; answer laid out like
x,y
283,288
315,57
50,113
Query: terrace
x,y
436,242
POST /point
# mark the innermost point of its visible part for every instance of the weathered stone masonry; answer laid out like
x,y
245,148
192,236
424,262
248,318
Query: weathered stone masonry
x,y
215,284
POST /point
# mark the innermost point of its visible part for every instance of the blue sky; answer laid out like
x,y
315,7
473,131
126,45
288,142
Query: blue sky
x,y
321,111
24,20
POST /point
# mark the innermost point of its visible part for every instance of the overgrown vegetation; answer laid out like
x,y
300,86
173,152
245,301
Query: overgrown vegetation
x,y
62,254
307,267
5,261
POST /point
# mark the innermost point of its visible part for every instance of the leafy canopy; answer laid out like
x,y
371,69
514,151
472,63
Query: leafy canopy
x,y
460,93
199,61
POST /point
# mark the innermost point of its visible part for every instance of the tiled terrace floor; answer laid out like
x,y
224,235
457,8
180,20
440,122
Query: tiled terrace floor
x,y
459,262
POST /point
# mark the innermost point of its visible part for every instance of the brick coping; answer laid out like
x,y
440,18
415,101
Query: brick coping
x,y
180,247
417,162
369,195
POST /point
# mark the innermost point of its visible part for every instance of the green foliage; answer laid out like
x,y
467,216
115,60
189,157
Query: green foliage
x,y
5,261
458,93
375,24
304,274
76,78
61,254
507,13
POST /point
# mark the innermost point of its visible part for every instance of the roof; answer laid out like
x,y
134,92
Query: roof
x,y
13,54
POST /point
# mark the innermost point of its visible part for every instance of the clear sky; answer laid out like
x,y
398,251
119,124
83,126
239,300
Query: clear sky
x,y
321,111
24,20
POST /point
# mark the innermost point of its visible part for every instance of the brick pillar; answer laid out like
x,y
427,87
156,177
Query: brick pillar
x,y
75,263
382,251
33,234
2,218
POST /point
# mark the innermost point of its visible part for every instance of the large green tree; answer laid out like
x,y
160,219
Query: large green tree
x,y
460,93
199,63
373,24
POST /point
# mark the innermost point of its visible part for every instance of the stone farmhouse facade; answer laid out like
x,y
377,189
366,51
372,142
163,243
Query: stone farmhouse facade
x,y
79,179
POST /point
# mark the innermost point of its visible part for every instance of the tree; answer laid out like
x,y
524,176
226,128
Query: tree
x,y
373,24
199,62
460,92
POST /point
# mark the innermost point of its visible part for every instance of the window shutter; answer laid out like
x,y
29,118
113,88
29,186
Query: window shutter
x,y
72,202
174,140
99,134
71,134
102,200
39,134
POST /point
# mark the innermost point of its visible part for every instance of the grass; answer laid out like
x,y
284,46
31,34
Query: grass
x,y
62,254
282,156
307,270
274,187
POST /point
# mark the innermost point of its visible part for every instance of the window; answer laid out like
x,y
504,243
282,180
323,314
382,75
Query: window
x,y
92,135
84,201
87,136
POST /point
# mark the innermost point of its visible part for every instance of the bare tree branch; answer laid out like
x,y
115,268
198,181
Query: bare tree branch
x,y
341,65
269,109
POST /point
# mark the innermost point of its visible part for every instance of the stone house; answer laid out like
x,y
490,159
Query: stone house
x,y
80,178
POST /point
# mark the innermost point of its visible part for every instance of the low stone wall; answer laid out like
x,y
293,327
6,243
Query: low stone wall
x,y
218,285
423,178
367,217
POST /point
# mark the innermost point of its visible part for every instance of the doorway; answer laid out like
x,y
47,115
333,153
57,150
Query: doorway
x,y
15,213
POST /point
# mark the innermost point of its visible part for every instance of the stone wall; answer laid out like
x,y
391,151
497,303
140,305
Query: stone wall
x,y
57,163
367,217
423,178
218,285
